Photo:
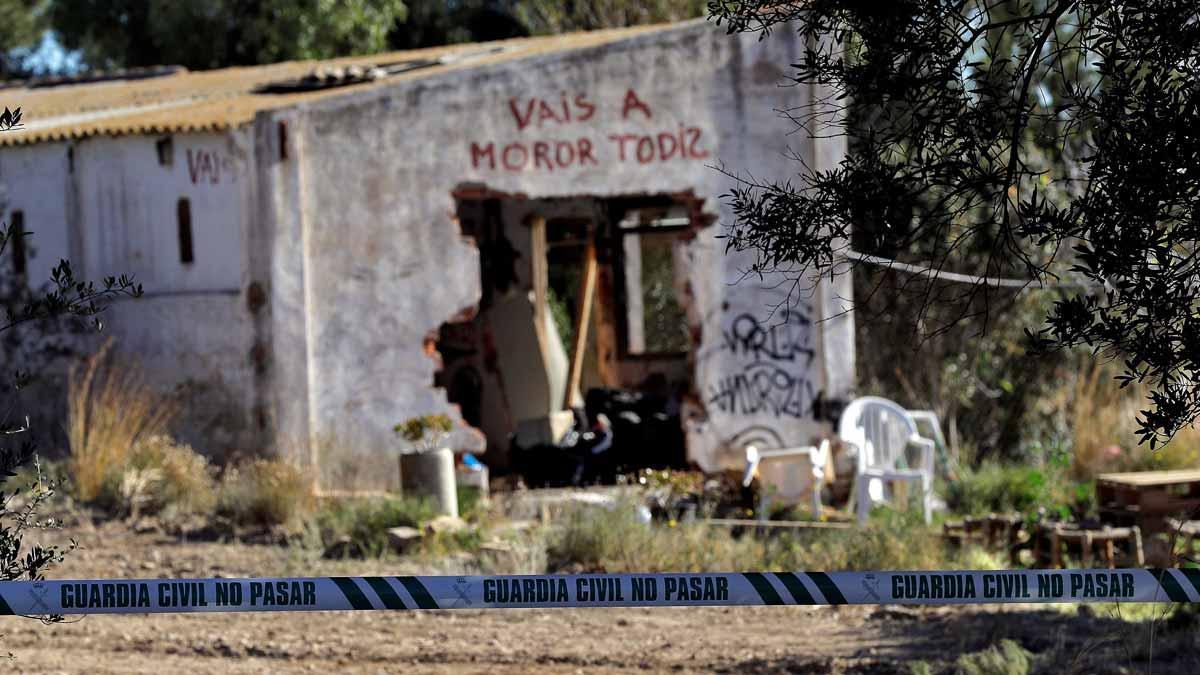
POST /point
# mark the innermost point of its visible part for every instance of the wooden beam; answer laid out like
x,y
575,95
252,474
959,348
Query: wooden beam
x,y
539,270
583,321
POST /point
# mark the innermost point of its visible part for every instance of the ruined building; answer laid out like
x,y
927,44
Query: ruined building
x,y
330,248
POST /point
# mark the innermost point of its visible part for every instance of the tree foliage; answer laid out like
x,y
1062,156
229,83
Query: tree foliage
x,y
200,35
1005,138
139,33
20,24
65,297
430,23
559,16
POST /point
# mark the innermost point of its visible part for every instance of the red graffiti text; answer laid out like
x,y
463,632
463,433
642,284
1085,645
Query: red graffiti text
x,y
204,165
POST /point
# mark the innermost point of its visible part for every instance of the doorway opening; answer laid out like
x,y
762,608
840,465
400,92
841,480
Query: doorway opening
x,y
580,352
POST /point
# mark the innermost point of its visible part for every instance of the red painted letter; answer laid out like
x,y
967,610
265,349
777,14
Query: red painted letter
x,y
585,152
522,122
487,152
632,102
193,166
582,102
620,140
693,138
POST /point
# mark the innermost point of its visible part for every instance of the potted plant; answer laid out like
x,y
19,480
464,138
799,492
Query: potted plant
x,y
426,464
425,433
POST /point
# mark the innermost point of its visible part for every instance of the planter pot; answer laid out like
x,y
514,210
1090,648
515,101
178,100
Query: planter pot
x,y
430,475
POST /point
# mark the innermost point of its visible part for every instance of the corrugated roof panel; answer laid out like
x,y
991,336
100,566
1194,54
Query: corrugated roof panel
x,y
225,98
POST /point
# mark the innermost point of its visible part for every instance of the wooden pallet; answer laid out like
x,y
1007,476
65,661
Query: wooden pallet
x,y
993,531
1050,539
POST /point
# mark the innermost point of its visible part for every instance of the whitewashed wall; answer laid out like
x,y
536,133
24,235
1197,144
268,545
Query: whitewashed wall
x,y
110,206
35,179
384,264
344,227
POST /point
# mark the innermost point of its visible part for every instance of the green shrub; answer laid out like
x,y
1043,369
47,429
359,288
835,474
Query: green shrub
x,y
1006,488
616,541
470,502
1007,658
366,521
443,544
996,488
265,492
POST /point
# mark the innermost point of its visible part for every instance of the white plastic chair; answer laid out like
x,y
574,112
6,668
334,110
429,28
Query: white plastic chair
x,y
816,456
881,430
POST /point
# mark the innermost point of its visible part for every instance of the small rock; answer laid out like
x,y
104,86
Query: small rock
x,y
145,526
445,524
501,555
344,547
403,539
515,526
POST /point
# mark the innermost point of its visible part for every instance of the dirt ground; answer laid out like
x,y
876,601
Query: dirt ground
x,y
679,640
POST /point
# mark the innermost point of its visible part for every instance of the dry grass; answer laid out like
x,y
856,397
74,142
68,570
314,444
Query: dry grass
x,y
265,493
167,477
110,410
346,468
1102,417
616,541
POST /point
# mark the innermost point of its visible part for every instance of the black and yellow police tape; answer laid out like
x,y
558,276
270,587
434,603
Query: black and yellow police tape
x,y
113,596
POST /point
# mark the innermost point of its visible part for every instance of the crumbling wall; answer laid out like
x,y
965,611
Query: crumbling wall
x,y
383,263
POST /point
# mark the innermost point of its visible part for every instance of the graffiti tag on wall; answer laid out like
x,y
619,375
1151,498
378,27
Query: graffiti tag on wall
x,y
207,166
546,153
773,362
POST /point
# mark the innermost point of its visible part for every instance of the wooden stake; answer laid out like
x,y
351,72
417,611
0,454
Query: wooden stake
x,y
540,273
583,321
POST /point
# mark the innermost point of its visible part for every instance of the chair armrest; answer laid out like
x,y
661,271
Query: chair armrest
x,y
927,453
817,456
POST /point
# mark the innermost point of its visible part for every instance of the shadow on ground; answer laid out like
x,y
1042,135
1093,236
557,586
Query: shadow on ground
x,y
917,641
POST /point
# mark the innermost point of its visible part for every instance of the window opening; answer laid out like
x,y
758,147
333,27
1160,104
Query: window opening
x,y
16,241
183,214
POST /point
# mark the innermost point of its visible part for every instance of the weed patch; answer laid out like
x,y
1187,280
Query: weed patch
x,y
617,541
265,493
162,477
365,522
110,409
1005,658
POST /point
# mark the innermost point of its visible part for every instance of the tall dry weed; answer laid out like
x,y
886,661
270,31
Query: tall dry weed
x,y
265,493
1103,420
167,477
110,409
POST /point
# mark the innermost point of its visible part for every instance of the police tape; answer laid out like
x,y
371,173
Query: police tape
x,y
136,596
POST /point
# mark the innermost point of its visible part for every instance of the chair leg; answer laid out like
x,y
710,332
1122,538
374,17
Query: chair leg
x,y
764,503
864,502
816,499
927,497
